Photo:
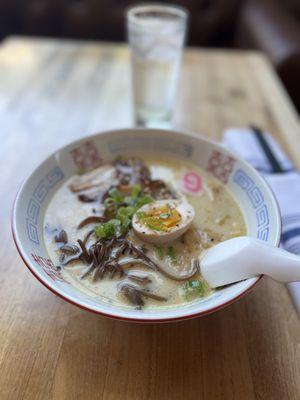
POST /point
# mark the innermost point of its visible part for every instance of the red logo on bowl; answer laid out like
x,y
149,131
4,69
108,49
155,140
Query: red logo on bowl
x,y
192,182
86,157
220,165
49,268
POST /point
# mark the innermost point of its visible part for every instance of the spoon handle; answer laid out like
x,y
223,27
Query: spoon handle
x,y
245,257
277,263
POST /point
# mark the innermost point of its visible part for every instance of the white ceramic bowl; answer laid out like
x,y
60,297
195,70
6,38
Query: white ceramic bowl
x,y
250,190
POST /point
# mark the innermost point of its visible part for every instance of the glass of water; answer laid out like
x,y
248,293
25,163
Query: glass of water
x,y
156,35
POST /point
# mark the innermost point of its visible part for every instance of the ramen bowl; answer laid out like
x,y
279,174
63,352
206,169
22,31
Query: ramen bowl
x,y
249,189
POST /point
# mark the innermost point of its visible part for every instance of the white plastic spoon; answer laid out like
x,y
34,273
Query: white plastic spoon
x,y
245,257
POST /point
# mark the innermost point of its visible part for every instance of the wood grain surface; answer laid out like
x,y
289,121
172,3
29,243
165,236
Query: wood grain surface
x,y
54,92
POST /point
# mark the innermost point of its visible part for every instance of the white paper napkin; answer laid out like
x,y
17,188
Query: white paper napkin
x,y
286,187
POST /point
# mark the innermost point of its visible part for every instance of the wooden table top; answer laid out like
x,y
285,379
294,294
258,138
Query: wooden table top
x,y
53,92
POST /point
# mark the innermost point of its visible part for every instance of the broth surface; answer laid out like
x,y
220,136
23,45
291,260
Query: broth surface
x,y
217,218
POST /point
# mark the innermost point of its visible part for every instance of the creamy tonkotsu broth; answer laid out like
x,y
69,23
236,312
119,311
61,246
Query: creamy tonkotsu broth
x,y
114,265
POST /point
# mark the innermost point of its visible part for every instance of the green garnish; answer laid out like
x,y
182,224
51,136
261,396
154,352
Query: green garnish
x,y
165,216
195,288
141,215
137,202
154,224
159,249
122,214
108,229
109,202
172,255
161,219
136,190
115,195
125,212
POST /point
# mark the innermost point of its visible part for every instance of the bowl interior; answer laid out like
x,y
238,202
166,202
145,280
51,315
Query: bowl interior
x,y
249,189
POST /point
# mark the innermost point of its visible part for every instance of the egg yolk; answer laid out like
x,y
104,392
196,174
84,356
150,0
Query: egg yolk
x,y
160,218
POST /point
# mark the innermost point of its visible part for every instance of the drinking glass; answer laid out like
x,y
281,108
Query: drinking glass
x,y
156,35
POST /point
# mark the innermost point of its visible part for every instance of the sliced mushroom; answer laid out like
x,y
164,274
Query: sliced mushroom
x,y
140,254
61,237
131,171
96,254
139,277
69,249
132,294
99,177
158,190
135,295
93,219
85,254
172,274
71,259
87,236
90,197
131,261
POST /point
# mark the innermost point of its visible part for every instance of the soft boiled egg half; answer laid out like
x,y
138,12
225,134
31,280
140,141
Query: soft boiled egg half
x,y
163,221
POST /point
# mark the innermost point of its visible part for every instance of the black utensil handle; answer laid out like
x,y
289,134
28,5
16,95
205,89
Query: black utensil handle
x,y
267,150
